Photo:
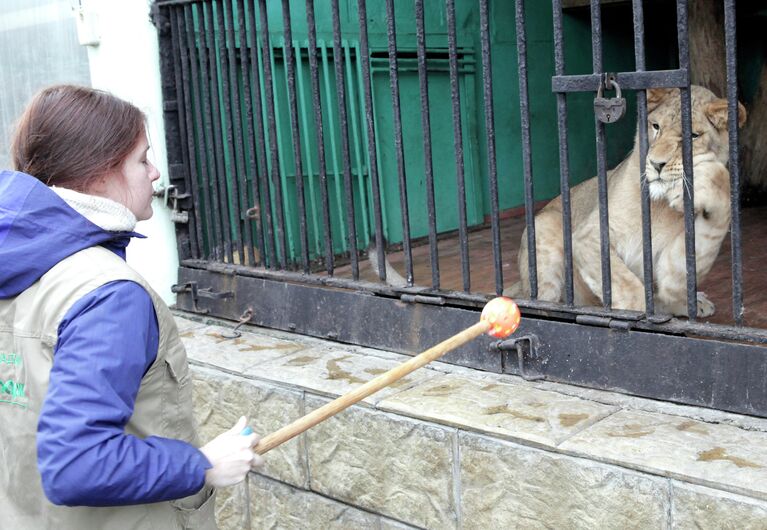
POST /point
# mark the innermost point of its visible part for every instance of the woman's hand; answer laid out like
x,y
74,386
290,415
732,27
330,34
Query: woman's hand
x,y
231,455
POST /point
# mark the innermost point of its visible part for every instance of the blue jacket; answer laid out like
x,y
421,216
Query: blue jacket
x,y
112,336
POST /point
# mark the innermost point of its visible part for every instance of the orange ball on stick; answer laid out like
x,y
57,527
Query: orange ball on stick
x,y
503,315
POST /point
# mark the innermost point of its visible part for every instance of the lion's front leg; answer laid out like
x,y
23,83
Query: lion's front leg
x,y
627,290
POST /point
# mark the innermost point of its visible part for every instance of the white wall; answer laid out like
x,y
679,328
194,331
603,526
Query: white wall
x,y
123,55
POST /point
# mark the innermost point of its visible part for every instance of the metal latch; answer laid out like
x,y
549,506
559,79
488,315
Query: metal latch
x,y
171,193
605,322
609,110
197,293
525,347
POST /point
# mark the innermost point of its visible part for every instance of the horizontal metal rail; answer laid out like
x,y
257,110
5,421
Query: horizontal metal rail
x,y
627,80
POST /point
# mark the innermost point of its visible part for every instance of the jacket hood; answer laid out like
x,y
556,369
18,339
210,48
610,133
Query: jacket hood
x,y
38,229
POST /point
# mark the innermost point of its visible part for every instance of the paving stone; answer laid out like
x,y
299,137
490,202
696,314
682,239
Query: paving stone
x,y
506,485
721,456
206,345
221,399
699,508
506,410
275,505
186,324
332,371
394,466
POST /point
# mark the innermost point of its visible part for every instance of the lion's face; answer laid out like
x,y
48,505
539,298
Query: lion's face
x,y
664,170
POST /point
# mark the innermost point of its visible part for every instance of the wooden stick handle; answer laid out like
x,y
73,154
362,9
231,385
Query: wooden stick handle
x,y
374,385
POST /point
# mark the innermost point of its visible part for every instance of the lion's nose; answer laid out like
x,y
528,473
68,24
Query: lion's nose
x,y
657,165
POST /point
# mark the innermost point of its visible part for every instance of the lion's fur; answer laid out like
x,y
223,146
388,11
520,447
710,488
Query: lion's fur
x,y
712,208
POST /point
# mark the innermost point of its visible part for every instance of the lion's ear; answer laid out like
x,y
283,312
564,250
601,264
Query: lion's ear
x,y
655,97
717,113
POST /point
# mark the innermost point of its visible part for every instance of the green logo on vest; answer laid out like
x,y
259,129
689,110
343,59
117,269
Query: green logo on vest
x,y
12,392
13,359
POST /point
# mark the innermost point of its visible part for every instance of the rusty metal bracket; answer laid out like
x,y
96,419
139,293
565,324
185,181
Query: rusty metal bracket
x,y
525,346
197,293
171,193
235,333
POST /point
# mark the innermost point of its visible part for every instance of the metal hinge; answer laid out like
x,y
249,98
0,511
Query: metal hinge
x,y
605,322
197,293
422,299
171,193
525,346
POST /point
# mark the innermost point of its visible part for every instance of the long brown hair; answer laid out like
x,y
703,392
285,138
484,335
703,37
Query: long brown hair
x,y
69,136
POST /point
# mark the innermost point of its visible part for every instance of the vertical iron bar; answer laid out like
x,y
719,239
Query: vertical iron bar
x,y
252,166
295,134
564,156
460,177
377,215
689,178
307,139
211,76
731,44
487,84
527,159
267,219
282,258
427,155
317,104
192,45
182,83
231,116
338,60
398,149
604,228
639,58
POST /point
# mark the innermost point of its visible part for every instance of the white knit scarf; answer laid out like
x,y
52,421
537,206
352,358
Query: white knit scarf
x,y
104,213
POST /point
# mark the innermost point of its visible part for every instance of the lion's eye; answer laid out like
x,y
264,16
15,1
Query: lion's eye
x,y
695,135
656,126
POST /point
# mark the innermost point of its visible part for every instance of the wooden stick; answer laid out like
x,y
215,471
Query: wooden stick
x,y
398,372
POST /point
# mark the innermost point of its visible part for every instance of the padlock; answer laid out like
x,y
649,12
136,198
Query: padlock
x,y
609,110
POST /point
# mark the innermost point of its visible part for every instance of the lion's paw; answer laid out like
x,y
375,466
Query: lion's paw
x,y
706,307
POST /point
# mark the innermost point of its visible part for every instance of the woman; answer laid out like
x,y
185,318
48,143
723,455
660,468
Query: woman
x,y
96,425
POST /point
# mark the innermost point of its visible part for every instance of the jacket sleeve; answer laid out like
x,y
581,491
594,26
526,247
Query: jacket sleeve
x,y
107,341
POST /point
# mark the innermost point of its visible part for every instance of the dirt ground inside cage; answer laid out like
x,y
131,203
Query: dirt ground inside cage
x,y
717,284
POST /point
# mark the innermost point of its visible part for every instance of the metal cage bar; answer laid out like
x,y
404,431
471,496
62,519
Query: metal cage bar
x,y
270,248
423,83
213,114
564,155
455,99
730,47
527,157
604,215
689,178
319,130
276,181
487,91
647,260
225,19
391,39
255,212
364,57
295,135
338,59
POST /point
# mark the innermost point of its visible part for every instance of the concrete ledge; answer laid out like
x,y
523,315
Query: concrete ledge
x,y
450,447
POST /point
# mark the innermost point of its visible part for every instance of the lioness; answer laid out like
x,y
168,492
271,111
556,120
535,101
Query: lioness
x,y
664,174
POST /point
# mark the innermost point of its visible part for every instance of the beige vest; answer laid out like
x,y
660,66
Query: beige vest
x,y
28,334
